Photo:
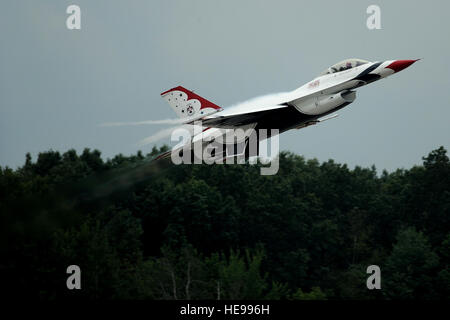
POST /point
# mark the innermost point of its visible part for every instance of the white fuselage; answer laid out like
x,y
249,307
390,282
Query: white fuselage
x,y
315,98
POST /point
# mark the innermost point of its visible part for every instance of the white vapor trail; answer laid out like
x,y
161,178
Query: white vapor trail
x,y
250,105
257,103
157,136
139,123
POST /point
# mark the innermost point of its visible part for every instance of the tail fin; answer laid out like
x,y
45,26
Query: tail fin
x,y
188,105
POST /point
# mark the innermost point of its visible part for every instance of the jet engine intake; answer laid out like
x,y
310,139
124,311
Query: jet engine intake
x,y
325,103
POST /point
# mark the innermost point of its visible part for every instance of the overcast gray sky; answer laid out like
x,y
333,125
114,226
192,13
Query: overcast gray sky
x,y
58,85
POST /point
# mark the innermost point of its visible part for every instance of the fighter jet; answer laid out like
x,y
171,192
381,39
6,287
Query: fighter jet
x,y
312,103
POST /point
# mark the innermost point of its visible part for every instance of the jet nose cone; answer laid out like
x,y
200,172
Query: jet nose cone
x,y
399,65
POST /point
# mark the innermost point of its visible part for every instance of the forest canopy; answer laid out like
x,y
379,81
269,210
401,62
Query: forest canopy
x,y
144,231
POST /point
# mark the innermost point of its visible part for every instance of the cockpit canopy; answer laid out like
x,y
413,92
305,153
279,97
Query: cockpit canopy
x,y
344,65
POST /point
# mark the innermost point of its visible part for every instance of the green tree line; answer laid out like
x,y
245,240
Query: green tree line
x,y
141,230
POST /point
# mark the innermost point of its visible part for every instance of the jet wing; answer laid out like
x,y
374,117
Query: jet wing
x,y
228,120
238,119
